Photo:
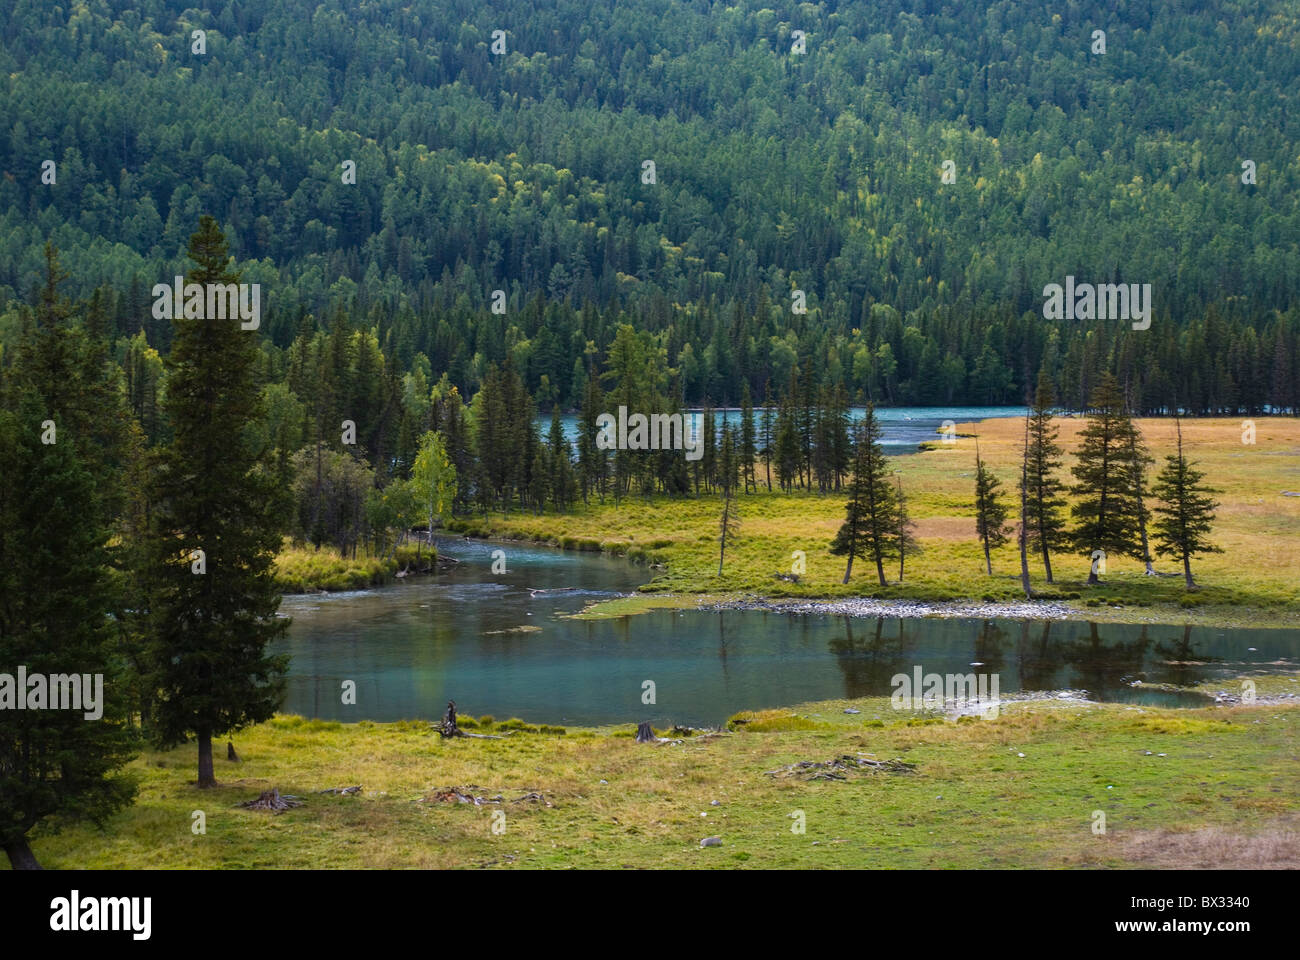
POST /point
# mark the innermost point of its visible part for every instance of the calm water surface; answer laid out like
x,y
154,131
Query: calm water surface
x,y
457,635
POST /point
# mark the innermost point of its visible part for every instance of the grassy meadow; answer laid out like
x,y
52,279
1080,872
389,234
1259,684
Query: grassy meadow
x,y
1253,582
1203,787
1218,786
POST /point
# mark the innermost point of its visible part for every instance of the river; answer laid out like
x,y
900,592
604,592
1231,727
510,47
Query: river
x,y
503,644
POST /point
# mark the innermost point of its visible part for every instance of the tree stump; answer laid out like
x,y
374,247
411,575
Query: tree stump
x,y
272,800
645,733
449,728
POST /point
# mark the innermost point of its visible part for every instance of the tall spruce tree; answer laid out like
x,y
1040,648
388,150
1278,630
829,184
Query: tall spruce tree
x,y
871,516
747,450
990,511
59,763
1045,523
729,468
1022,535
1105,511
1138,462
1185,512
214,613
765,431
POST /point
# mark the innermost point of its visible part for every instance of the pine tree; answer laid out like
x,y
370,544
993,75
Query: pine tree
x,y
729,523
787,446
871,516
1022,536
1186,511
766,430
747,451
1045,525
1105,510
60,488
990,512
592,462
560,458
210,629
1138,461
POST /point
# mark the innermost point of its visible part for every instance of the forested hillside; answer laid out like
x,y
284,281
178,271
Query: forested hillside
x,y
775,171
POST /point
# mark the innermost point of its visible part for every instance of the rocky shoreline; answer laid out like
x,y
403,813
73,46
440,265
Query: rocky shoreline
x,y
869,607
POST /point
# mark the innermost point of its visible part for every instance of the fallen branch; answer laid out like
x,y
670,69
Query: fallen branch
x,y
342,791
458,795
838,768
533,798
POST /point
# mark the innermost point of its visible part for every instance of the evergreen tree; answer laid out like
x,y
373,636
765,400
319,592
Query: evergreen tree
x,y
729,468
1045,525
766,432
990,511
747,450
560,460
1138,461
214,614
1186,511
1105,510
787,446
871,520
1022,537
592,461
61,484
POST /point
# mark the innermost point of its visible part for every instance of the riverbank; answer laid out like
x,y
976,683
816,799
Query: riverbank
x,y
308,570
1192,788
782,553
867,607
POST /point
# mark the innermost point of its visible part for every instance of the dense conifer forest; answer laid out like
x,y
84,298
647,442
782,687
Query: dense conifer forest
x,y
775,171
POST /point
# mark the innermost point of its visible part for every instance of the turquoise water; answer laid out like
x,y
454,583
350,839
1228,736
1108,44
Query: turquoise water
x,y
904,427
413,646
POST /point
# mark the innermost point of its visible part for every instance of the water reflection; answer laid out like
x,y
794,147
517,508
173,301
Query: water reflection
x,y
506,645
1103,660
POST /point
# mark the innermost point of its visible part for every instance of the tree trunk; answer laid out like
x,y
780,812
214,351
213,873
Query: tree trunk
x,y
1187,572
848,569
1023,537
21,856
1092,576
1047,563
988,564
880,571
206,777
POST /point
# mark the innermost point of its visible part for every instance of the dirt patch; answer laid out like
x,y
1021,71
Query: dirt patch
x,y
1276,847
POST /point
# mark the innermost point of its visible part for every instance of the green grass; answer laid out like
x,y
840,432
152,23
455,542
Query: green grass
x,y
304,569
1252,583
972,801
